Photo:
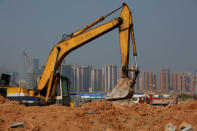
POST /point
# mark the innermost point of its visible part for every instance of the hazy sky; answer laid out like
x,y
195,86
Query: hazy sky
x,y
165,32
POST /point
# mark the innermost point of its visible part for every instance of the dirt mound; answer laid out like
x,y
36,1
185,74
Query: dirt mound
x,y
4,100
97,116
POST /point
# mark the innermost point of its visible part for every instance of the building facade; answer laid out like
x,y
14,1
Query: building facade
x,y
29,78
164,79
96,80
36,69
148,81
184,82
81,79
109,74
174,80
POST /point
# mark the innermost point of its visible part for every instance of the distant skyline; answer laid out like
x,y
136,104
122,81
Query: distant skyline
x,y
90,79
165,32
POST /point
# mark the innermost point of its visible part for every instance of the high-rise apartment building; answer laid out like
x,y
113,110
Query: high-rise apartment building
x,y
29,78
194,84
75,79
183,82
174,79
148,81
85,78
179,81
36,66
194,81
96,80
36,70
109,74
81,78
164,79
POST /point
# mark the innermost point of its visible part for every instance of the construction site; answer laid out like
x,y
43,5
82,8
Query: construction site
x,y
60,96
101,116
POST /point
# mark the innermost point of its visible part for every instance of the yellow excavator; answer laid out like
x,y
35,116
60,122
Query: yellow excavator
x,y
50,79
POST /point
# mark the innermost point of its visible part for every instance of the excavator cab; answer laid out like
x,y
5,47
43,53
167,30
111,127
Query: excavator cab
x,y
59,93
62,95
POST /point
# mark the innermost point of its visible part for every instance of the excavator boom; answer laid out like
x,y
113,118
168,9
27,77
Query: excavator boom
x,y
83,36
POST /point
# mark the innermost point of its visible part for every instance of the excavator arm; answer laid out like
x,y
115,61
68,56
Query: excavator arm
x,y
124,87
82,37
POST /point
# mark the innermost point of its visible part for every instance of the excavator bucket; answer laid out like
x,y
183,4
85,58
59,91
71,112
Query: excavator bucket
x,y
123,90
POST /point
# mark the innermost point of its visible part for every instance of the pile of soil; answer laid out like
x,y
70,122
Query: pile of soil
x,y
97,116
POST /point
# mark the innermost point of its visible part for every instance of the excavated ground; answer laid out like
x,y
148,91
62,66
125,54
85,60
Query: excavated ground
x,y
97,116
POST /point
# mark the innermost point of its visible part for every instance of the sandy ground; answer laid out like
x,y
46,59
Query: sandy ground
x,y
97,116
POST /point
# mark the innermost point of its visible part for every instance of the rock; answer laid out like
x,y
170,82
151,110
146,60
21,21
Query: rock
x,y
184,126
170,127
188,128
17,125
91,111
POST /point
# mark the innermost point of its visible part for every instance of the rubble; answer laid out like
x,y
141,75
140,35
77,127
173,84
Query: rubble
x,y
170,127
99,116
184,126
